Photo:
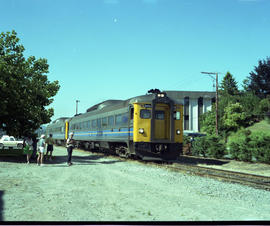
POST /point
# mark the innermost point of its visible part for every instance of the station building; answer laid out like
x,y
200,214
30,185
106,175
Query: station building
x,y
195,104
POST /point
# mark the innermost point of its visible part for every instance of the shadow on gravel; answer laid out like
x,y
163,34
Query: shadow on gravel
x,y
79,160
195,161
18,159
59,160
1,205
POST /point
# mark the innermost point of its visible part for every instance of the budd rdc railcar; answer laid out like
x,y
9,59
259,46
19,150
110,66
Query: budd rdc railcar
x,y
149,127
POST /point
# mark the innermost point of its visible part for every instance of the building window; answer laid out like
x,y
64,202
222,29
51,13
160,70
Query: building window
x,y
186,113
200,110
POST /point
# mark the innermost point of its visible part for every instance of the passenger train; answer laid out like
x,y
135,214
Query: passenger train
x,y
149,127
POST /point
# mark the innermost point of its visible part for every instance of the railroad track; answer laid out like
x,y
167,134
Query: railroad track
x,y
256,181
252,180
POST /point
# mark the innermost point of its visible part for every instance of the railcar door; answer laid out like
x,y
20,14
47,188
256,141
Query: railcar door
x,y
162,122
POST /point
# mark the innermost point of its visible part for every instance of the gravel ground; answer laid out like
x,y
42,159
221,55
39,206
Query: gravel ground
x,y
98,188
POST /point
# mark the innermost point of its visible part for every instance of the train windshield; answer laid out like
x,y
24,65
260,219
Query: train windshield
x,y
144,113
160,115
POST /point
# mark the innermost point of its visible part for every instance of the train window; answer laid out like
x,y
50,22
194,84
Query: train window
x,y
88,124
99,123
77,126
131,113
177,115
111,120
94,123
159,115
144,113
125,118
121,119
104,121
118,119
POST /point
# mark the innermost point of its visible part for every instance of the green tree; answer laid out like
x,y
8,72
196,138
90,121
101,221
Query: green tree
x,y
228,85
259,79
208,121
24,88
234,117
249,102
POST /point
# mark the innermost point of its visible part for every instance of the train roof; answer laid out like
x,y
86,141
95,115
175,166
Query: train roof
x,y
104,104
62,119
121,103
110,105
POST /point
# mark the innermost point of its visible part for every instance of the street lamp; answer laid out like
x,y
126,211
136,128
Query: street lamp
x,y
77,101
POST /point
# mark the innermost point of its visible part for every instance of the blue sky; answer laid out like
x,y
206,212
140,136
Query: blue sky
x,y
118,49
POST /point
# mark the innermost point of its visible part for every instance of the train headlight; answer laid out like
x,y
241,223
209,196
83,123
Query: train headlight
x,y
141,130
178,131
160,95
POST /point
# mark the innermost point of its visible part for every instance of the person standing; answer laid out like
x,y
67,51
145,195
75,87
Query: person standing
x,y
34,155
28,148
41,150
70,145
49,142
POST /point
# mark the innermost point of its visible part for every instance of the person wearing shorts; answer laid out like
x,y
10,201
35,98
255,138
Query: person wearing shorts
x,y
41,150
49,142
70,145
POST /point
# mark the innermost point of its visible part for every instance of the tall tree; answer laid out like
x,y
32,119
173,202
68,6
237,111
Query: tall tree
x,y
24,88
259,79
229,85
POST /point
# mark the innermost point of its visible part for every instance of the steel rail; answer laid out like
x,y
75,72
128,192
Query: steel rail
x,y
257,181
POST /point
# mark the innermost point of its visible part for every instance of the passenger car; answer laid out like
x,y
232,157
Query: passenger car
x,y
8,142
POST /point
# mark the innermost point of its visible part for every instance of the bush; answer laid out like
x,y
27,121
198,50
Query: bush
x,y
246,145
260,146
210,146
238,145
216,148
186,140
199,146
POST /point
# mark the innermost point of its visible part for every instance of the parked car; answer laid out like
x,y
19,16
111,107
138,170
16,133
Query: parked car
x,y
193,135
7,142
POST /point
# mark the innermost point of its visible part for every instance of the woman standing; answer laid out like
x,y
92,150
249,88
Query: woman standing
x,y
28,148
41,150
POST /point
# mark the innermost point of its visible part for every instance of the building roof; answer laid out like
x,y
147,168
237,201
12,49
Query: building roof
x,y
190,94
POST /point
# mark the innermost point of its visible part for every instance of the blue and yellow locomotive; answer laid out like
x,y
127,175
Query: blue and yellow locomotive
x,y
148,127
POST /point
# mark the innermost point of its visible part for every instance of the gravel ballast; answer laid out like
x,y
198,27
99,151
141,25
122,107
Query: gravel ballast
x,y
98,188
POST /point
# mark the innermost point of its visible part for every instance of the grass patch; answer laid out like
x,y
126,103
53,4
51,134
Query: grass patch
x,y
262,126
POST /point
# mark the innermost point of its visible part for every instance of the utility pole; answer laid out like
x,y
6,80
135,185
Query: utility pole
x,y
77,101
210,74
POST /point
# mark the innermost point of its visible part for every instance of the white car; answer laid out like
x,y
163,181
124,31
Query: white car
x,y
7,142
